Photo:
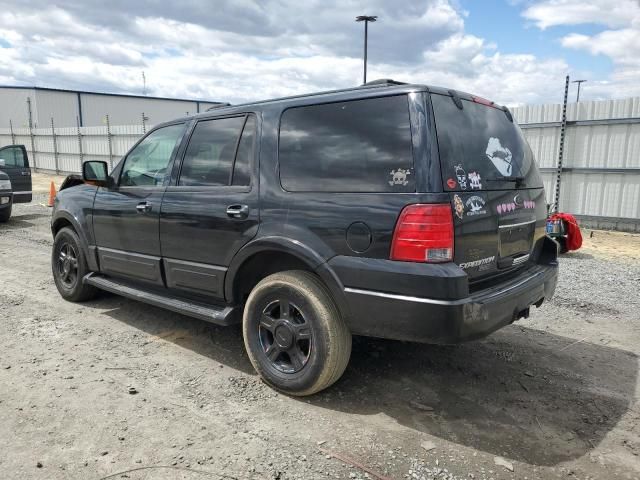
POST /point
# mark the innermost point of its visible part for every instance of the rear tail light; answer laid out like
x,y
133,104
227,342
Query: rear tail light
x,y
424,233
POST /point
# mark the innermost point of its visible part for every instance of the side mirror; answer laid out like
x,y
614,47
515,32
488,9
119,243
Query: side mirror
x,y
95,172
2,162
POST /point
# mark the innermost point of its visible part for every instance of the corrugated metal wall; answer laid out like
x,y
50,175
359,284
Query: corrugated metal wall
x,y
66,151
600,181
127,110
13,106
61,106
90,109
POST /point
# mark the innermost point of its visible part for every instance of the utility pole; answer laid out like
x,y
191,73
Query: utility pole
x,y
366,19
144,84
578,94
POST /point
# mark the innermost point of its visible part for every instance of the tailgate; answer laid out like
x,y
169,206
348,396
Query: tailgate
x,y
495,230
494,186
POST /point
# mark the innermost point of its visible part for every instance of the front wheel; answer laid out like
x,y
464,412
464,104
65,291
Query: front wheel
x,y
69,266
294,334
5,214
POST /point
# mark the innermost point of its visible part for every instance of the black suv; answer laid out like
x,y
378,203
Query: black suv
x,y
389,210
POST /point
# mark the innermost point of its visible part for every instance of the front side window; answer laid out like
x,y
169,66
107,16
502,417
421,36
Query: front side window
x,y
147,164
354,146
216,149
13,157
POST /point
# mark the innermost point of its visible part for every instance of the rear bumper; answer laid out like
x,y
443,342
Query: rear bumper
x,y
433,320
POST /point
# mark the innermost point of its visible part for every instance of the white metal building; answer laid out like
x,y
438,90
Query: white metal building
x,y
21,107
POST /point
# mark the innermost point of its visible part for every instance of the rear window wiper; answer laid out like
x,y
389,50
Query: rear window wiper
x,y
519,181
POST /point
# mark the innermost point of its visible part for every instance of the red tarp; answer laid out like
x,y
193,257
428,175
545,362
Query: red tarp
x,y
574,237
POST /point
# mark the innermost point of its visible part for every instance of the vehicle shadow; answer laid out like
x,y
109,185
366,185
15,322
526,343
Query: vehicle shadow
x,y
17,221
526,394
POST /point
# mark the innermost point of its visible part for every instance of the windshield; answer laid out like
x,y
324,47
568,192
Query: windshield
x,y
481,149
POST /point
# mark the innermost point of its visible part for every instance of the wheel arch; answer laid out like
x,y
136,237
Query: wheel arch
x,y
268,255
65,219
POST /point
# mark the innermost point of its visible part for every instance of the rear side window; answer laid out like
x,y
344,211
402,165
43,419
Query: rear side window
x,y
355,146
211,158
479,146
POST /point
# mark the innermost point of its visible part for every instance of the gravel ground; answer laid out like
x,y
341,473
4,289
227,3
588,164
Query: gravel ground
x,y
91,390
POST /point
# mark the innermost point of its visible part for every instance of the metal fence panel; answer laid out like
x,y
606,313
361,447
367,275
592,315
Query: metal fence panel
x,y
601,167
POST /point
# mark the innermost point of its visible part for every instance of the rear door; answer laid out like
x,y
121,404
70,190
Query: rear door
x,y
495,188
210,210
15,163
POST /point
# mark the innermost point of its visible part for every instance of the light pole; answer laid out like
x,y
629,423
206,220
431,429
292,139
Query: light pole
x,y
366,19
578,94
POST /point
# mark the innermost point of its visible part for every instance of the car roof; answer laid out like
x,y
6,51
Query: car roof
x,y
376,88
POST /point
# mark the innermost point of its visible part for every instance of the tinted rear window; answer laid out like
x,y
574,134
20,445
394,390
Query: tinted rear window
x,y
355,146
478,145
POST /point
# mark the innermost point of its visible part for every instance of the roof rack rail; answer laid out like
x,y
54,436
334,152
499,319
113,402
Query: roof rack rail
x,y
219,105
383,82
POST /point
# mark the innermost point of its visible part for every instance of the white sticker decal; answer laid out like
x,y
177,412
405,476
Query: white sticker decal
x,y
477,263
399,177
474,181
475,206
458,206
462,176
500,156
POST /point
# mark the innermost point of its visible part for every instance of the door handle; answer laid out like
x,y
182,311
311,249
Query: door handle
x,y
143,207
238,211
25,174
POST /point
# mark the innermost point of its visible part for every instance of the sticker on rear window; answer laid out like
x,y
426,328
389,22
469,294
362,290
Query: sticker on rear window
x,y
500,156
458,206
462,176
399,177
474,181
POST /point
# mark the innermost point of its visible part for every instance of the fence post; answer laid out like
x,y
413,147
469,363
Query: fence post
x,y
109,142
55,145
81,153
563,127
13,137
144,126
33,143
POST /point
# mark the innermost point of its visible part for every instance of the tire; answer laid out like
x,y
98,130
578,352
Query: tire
x,y
312,324
68,275
5,214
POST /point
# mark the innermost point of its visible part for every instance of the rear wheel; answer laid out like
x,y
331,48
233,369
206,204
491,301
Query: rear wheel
x,y
5,214
69,266
294,334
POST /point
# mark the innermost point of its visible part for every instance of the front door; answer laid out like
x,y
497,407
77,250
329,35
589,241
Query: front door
x,y
210,210
126,216
15,163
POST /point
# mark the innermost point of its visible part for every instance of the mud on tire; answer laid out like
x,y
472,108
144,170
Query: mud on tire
x,y
294,334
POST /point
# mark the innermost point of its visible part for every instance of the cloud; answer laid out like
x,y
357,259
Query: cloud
x,y
240,50
619,40
612,13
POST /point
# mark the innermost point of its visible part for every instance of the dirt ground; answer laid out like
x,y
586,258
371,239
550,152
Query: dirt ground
x,y
553,396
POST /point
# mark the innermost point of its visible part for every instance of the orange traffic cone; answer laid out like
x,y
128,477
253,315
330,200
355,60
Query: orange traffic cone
x,y
52,194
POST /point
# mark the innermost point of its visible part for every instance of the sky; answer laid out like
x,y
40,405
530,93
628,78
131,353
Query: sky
x,y
512,51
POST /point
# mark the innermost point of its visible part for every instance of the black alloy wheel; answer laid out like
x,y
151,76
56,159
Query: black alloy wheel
x,y
285,336
294,333
68,265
